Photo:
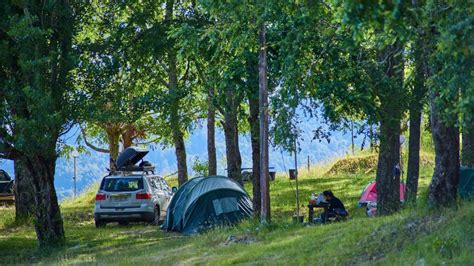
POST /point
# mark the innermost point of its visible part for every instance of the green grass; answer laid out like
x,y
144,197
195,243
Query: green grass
x,y
414,235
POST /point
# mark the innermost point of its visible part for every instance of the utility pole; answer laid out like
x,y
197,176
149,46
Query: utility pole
x,y
308,164
263,108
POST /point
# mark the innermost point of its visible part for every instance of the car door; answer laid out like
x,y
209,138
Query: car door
x,y
158,195
167,192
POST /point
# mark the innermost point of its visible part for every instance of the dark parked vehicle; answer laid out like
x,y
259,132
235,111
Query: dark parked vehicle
x,y
6,188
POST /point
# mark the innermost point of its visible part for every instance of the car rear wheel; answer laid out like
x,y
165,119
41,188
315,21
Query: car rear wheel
x,y
156,215
100,224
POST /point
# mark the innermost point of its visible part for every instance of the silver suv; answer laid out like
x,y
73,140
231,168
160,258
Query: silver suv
x,y
131,193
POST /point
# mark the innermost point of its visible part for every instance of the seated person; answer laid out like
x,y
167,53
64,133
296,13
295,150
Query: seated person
x,y
336,207
332,205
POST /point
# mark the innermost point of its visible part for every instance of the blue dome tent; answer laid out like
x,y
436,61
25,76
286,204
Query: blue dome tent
x,y
204,202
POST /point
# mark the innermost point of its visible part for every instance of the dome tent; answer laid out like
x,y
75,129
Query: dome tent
x,y
203,202
369,194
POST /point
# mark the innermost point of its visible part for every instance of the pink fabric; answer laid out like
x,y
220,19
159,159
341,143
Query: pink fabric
x,y
370,193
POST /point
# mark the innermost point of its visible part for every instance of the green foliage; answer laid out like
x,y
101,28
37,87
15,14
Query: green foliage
x,y
200,168
35,83
453,58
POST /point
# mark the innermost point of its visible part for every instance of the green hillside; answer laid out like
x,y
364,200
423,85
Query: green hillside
x,y
418,235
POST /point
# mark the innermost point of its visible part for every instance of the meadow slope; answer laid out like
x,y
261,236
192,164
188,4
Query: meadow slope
x,y
414,236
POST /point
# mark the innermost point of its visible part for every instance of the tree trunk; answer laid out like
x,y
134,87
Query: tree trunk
x,y
388,184
128,134
413,156
180,151
416,107
263,109
24,201
113,137
175,121
231,134
211,133
388,200
444,184
255,140
48,221
468,143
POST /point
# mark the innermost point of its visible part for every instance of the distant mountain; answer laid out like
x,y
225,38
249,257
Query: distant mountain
x,y
91,167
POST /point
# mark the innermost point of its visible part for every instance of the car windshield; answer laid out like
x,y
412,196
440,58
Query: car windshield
x,y
122,184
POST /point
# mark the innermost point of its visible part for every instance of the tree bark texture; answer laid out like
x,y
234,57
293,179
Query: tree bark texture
x,y
211,133
263,108
231,134
24,195
113,137
48,222
388,192
416,108
444,184
255,141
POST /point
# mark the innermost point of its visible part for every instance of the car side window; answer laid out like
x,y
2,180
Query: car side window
x,y
164,185
153,183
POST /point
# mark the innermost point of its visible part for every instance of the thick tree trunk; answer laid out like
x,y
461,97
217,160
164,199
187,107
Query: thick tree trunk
x,y
24,201
388,200
444,184
468,144
388,184
416,107
48,220
255,140
211,133
231,134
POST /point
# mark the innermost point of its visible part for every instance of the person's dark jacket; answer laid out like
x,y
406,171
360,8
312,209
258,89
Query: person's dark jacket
x,y
335,203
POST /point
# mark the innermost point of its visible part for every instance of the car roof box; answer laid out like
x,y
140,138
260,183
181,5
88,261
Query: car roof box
x,y
130,156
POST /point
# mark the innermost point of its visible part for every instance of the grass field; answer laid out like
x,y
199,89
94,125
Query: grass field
x,y
414,236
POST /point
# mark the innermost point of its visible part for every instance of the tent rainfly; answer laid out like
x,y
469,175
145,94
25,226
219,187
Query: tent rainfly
x,y
369,194
204,202
466,183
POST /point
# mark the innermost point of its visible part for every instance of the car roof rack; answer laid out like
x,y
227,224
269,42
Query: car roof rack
x,y
127,162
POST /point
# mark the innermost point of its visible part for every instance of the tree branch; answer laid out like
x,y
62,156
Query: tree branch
x,y
90,145
186,72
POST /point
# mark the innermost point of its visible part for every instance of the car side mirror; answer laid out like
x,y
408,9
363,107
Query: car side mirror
x,y
174,189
